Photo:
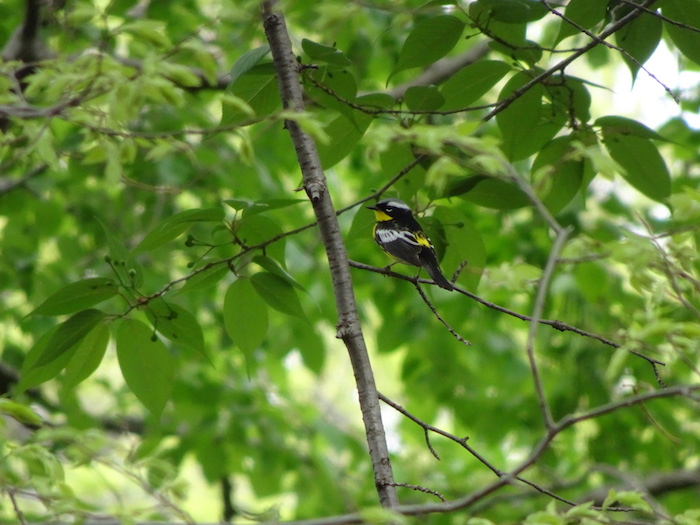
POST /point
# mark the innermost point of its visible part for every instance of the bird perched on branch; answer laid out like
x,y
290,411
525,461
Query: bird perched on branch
x,y
398,233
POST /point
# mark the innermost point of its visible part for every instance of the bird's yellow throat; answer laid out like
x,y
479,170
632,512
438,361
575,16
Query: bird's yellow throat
x,y
381,216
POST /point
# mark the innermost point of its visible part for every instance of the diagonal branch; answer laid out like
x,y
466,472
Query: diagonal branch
x,y
349,328
561,66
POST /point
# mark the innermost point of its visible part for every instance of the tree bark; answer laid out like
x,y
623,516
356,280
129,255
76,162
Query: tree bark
x,y
349,328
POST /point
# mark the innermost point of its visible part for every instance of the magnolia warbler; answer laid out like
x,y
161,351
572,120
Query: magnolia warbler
x,y
398,233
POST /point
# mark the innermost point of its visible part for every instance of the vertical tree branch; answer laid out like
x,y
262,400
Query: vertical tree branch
x,y
349,329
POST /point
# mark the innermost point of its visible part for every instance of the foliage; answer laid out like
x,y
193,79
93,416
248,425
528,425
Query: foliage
x,y
167,306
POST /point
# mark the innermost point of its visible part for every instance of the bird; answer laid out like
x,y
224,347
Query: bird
x,y
398,233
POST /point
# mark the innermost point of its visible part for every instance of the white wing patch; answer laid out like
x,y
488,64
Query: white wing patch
x,y
389,236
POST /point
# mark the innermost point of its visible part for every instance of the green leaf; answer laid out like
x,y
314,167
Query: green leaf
x,y
262,206
464,243
570,96
519,119
311,347
489,192
259,89
278,293
643,166
21,413
639,39
423,98
519,50
394,160
514,11
247,61
584,13
124,264
344,136
429,41
175,225
472,82
69,334
78,296
613,124
273,266
375,101
245,316
206,279
510,34
145,364
31,375
342,87
176,324
149,30
260,228
686,12
87,357
563,175
322,53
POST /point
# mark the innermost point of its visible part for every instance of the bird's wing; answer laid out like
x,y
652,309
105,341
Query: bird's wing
x,y
401,244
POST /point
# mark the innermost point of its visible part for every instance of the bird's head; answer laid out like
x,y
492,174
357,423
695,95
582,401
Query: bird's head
x,y
390,209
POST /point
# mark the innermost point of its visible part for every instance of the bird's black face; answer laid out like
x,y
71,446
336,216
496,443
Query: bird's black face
x,y
391,208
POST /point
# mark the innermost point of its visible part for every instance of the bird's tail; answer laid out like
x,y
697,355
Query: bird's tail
x,y
434,271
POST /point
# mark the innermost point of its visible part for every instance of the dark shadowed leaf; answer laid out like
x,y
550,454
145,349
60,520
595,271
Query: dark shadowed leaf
x,y
87,356
489,192
322,53
69,334
472,82
644,168
423,98
429,41
639,39
278,293
78,296
247,61
583,13
687,13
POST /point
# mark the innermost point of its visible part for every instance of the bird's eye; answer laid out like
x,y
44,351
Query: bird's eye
x,y
389,209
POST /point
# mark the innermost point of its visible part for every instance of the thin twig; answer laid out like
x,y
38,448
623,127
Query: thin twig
x,y
557,325
537,310
561,66
620,50
420,489
438,316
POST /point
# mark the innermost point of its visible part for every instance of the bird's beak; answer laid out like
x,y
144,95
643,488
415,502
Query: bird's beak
x,y
372,208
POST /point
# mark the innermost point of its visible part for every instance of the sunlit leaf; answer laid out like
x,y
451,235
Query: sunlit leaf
x,y
245,316
173,226
145,364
